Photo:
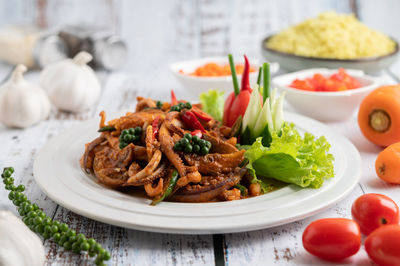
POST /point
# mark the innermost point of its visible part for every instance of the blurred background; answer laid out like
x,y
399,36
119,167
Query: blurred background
x,y
157,32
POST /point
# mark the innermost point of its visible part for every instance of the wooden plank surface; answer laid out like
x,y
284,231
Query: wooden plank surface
x,y
178,30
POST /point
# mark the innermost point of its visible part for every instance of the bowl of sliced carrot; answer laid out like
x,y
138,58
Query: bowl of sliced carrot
x,y
200,75
326,94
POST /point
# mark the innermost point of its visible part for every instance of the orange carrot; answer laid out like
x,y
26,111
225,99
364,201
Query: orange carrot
x,y
387,164
379,115
214,70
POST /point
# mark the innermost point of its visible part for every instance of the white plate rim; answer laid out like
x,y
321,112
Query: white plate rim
x,y
196,223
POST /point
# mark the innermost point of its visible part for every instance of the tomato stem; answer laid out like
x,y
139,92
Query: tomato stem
x,y
379,121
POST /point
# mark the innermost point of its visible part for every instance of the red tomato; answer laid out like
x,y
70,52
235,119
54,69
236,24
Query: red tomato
x,y
332,239
372,210
383,245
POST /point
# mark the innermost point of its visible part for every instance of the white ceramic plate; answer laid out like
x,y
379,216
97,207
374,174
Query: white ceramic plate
x,y
58,173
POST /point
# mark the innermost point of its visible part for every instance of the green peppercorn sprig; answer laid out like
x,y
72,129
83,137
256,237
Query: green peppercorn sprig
x,y
193,144
180,106
131,135
40,223
159,104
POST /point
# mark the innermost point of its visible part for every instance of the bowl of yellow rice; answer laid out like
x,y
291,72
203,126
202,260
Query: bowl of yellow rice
x,y
331,40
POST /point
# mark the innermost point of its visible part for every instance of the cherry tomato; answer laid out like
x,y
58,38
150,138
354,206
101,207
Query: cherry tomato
x,y
372,210
332,239
383,245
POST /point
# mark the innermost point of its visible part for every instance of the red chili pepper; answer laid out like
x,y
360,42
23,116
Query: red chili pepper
x,y
174,101
201,115
190,119
197,133
236,103
154,126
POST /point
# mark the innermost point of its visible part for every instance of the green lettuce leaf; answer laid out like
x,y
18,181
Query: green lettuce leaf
x,y
291,158
213,103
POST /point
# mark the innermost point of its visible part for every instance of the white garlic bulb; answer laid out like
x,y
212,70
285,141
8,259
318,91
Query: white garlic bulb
x,y
22,103
19,246
71,84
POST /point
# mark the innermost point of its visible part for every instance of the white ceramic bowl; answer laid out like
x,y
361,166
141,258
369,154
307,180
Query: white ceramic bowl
x,y
325,106
197,85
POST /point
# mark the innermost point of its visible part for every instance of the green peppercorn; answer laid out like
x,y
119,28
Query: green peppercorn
x,y
35,206
188,148
106,255
184,141
208,144
204,150
32,214
38,220
17,202
188,105
195,139
177,147
63,239
26,220
71,232
57,237
125,132
67,245
39,228
57,223
92,253
127,138
188,136
76,247
196,148
54,229
46,235
84,246
28,208
131,131
91,242
122,145
7,173
81,238
159,104
97,248
98,261
11,195
138,130
63,227
182,105
202,143
47,221
21,188
21,211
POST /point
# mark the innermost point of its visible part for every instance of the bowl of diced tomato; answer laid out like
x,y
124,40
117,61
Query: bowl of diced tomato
x,y
200,75
326,94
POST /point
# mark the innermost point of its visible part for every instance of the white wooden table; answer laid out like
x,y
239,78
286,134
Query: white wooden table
x,y
177,30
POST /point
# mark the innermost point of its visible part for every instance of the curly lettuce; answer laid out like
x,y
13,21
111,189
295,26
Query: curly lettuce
x,y
291,158
213,103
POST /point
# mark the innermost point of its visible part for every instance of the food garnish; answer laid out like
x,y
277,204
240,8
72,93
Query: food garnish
x,y
130,135
237,101
193,143
387,164
340,81
216,70
379,115
213,103
332,35
47,228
